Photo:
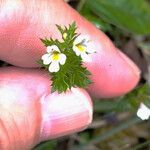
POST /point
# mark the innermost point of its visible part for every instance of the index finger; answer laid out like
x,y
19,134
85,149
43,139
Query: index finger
x,y
23,22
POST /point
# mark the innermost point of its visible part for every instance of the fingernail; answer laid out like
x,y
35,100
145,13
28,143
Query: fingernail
x,y
134,67
64,114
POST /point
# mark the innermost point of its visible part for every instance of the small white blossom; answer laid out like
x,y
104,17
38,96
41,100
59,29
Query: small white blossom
x,y
143,112
81,48
53,57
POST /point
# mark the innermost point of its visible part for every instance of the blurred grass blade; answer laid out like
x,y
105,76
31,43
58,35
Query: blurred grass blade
x,y
105,106
48,145
122,126
132,15
141,146
144,46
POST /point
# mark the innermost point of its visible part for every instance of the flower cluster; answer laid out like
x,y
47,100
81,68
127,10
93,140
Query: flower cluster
x,y
54,57
64,59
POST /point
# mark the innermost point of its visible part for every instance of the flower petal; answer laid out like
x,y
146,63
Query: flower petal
x,y
80,39
45,56
85,38
52,48
85,57
76,50
143,112
62,59
90,50
46,59
54,67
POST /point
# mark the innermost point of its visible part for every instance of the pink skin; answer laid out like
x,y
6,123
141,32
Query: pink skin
x,y
28,112
21,29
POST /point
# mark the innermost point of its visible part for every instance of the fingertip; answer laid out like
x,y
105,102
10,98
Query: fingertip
x,y
64,114
113,74
132,65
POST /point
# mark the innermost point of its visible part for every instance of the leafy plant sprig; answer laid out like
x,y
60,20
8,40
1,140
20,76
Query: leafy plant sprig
x,y
64,59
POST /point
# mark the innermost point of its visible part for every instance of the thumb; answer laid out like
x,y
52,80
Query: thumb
x,y
29,114
23,22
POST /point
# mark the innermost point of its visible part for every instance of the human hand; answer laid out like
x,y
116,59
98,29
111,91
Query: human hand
x,y
29,113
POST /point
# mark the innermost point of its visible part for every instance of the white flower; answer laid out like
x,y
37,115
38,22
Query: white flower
x,y
143,112
80,47
53,57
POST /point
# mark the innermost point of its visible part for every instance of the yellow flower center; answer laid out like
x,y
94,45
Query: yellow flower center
x,y
81,47
55,56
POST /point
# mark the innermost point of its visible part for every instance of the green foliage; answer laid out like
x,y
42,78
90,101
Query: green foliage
x,y
49,145
72,73
131,15
99,23
129,102
134,98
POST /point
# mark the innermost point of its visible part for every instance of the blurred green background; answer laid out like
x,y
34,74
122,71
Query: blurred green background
x,y
115,125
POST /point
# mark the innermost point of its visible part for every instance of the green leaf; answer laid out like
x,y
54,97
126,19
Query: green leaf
x,y
98,22
131,15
